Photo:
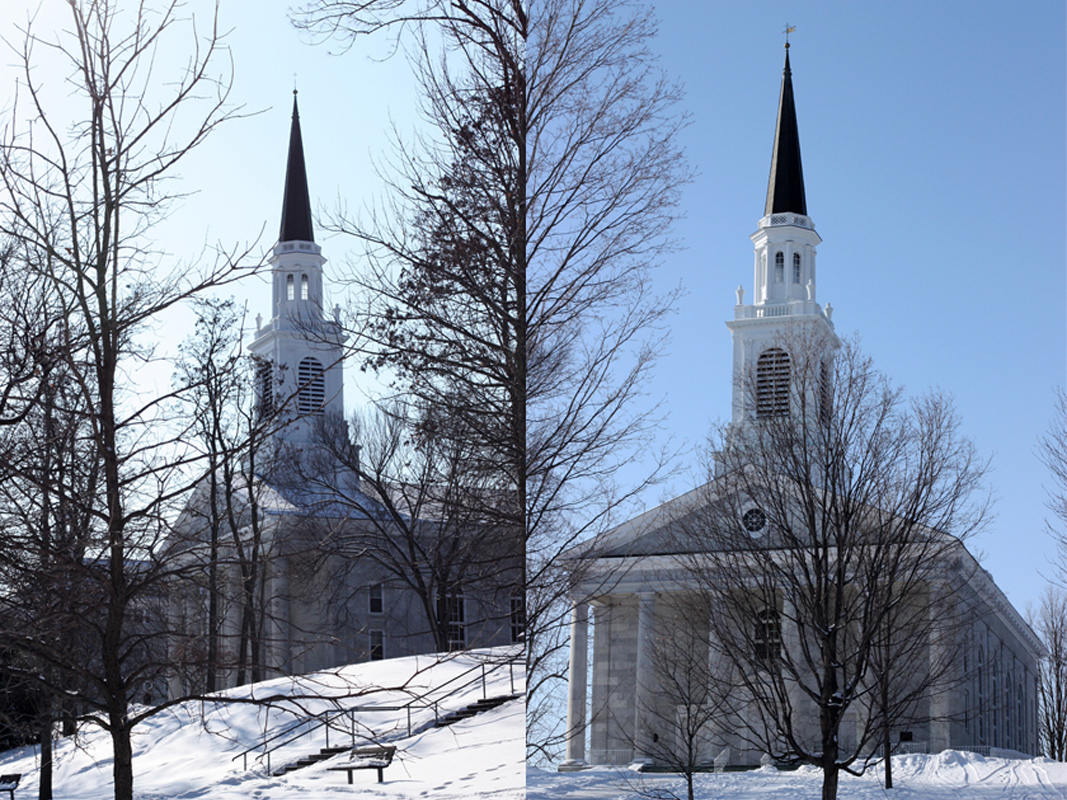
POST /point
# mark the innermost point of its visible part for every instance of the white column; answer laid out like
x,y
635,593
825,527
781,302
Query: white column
x,y
646,608
576,687
279,659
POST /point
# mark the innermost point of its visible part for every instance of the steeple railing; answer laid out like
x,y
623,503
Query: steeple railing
x,y
792,309
789,218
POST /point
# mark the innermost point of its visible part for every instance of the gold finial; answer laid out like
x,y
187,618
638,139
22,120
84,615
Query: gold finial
x,y
788,30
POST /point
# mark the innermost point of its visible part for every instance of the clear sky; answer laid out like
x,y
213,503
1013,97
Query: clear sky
x,y
933,141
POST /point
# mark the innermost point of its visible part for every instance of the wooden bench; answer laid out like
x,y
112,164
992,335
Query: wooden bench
x,y
9,783
373,757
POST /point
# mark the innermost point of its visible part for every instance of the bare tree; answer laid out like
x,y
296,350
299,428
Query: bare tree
x,y
1051,618
80,195
1050,623
48,495
512,267
415,512
691,694
830,530
1052,449
222,525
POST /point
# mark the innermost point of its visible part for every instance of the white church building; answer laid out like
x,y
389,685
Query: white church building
x,y
632,587
318,601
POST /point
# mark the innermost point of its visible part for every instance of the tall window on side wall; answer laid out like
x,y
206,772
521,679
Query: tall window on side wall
x,y
290,288
452,610
518,618
994,704
303,287
772,383
1009,731
779,267
377,599
377,645
1020,718
796,268
980,711
312,394
768,635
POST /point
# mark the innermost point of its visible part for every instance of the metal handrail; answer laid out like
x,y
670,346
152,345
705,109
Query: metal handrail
x,y
327,716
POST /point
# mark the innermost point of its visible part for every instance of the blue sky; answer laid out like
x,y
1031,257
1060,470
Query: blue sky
x,y
933,140
933,144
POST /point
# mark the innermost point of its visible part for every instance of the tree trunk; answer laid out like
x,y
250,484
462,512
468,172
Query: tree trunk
x,y
44,791
122,770
888,759
829,782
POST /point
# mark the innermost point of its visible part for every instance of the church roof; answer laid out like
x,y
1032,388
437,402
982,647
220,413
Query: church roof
x,y
296,204
785,190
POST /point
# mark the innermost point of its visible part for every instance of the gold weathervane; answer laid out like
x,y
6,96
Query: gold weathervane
x,y
788,30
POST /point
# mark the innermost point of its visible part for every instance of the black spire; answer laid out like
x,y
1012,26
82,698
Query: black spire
x,y
785,190
296,204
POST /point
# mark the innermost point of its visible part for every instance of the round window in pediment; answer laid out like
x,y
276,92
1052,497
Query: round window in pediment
x,y
755,521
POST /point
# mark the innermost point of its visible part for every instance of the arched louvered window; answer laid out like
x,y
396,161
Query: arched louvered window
x,y
796,268
303,287
779,267
290,288
768,635
312,392
772,383
264,388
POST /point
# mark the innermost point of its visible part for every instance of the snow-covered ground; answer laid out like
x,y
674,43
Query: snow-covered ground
x,y
187,752
950,775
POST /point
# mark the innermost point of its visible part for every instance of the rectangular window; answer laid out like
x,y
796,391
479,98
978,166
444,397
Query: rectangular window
x,y
518,619
377,599
454,615
377,645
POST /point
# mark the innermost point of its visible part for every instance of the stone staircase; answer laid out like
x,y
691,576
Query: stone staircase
x,y
455,716
315,758
474,708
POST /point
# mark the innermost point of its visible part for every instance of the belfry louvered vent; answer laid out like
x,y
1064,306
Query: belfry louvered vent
x,y
772,383
312,387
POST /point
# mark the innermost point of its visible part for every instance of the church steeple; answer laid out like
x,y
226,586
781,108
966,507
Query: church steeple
x,y
785,189
299,351
296,202
783,303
